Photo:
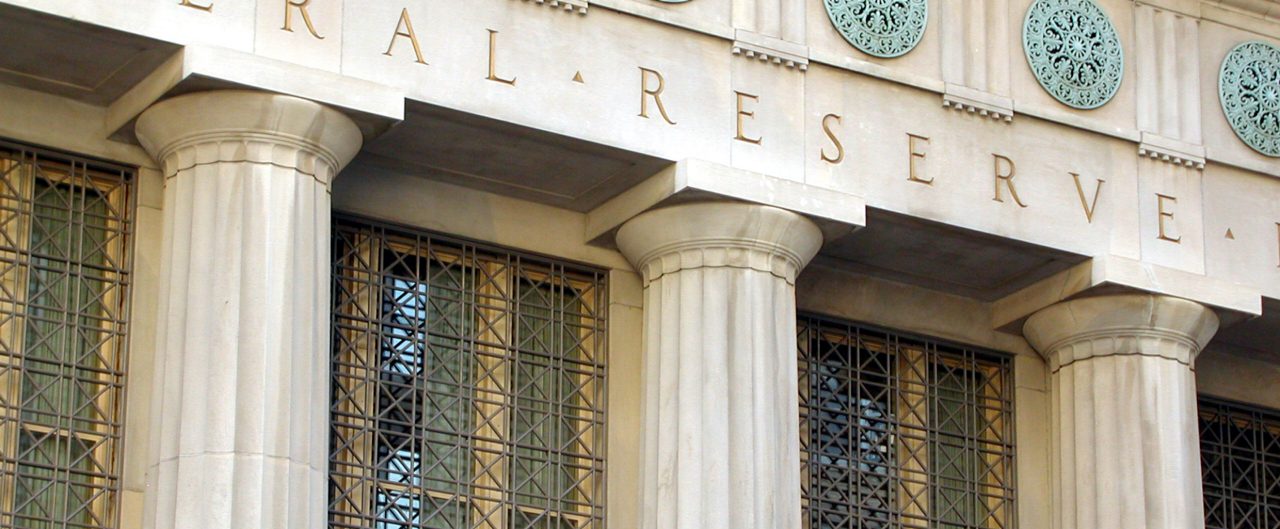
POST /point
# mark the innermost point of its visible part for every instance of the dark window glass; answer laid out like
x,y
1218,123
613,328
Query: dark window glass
x,y
1240,464
64,236
468,385
903,432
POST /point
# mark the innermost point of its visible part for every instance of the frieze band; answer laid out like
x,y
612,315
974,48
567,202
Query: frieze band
x,y
1071,45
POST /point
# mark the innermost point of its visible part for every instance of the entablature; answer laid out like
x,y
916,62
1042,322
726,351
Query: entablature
x,y
581,111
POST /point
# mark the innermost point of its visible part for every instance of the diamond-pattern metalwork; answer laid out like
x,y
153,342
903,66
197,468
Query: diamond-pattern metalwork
x,y
1240,465
65,230
901,432
468,385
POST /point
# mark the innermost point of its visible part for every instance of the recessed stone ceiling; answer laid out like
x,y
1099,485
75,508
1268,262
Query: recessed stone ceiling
x,y
73,59
945,258
504,158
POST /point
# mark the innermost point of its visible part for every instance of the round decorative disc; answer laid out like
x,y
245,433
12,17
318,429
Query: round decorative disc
x,y
883,28
1249,87
1073,51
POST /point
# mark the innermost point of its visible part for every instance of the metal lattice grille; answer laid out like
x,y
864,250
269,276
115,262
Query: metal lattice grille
x,y
898,432
64,274
1240,464
468,385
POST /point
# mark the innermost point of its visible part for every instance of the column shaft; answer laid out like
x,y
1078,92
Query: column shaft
x,y
721,447
1123,410
241,423
1129,453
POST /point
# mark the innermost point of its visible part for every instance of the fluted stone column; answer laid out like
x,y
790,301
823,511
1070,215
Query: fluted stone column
x,y
721,420
1126,451
240,427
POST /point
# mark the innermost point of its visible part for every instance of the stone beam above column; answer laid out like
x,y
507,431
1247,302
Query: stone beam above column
x,y
1111,274
371,106
836,213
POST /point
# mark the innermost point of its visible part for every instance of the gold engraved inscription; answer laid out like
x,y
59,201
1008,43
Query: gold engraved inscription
x,y
493,61
915,145
404,28
826,127
647,91
742,98
1165,215
1006,176
1089,207
188,3
301,6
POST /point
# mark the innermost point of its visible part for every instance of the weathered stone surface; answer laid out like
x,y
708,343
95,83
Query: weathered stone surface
x,y
240,421
721,447
1123,409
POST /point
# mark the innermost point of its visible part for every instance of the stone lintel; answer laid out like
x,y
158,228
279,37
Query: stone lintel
x,y
1112,274
835,212
372,106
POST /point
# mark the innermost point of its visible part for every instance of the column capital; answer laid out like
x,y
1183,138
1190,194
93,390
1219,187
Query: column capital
x,y
719,235
249,126
1125,324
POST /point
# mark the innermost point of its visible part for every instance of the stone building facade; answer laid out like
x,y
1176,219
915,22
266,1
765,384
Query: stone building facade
x,y
640,264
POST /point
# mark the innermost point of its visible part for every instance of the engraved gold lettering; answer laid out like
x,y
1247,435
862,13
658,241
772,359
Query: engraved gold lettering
x,y
404,28
306,16
1007,178
1165,215
826,127
188,3
916,157
742,98
493,61
1089,208
655,92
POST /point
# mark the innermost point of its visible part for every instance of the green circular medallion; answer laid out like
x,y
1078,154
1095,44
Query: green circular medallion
x,y
883,28
1074,51
1249,87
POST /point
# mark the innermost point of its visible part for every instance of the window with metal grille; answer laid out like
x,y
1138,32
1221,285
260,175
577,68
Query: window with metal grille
x,y
468,385
64,274
1240,464
903,432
